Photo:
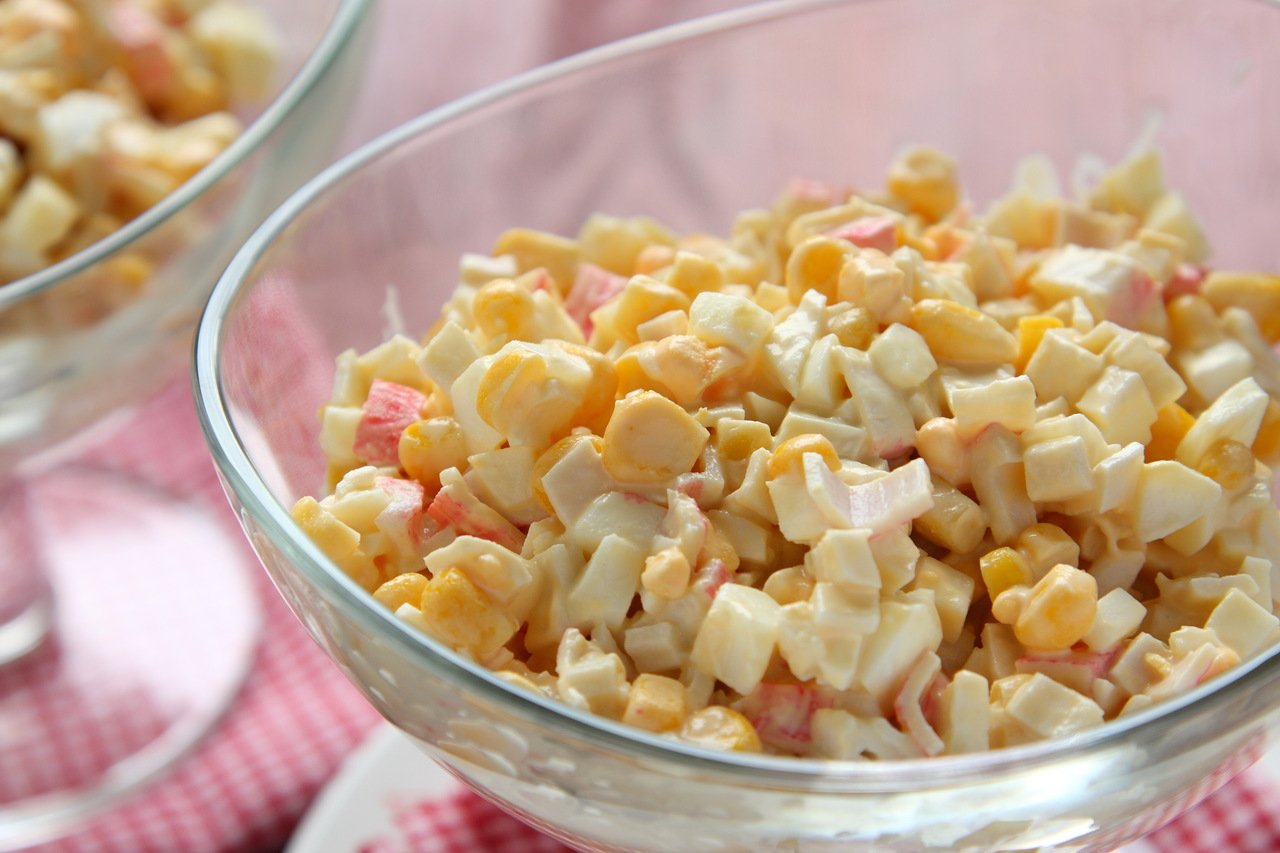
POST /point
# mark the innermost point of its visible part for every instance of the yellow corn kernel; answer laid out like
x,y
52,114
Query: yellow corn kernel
x,y
330,535
815,265
615,244
1267,445
1171,425
1229,463
959,334
1060,610
656,703
650,439
641,300
339,542
1030,332
653,258
461,615
1007,607
1255,292
693,274
718,547
853,327
502,308
1002,569
787,586
553,454
926,180
790,454
597,399
1193,323
666,573
1045,546
685,365
401,589
718,727
430,446
131,268
532,249
632,375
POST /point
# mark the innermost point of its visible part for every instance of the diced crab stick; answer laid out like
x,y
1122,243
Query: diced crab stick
x,y
908,704
592,287
1132,303
389,409
782,714
890,501
456,507
711,577
141,36
870,232
1187,279
402,519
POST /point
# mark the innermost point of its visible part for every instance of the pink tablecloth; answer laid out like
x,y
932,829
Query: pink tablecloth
x,y
297,717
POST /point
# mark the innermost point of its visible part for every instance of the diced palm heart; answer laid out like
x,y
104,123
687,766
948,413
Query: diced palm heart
x,y
105,108
873,476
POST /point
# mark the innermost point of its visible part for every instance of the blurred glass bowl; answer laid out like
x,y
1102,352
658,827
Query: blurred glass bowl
x,y
71,347
105,639
690,125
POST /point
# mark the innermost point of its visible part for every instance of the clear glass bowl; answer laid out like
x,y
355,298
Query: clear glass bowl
x,y
102,642
692,124
71,348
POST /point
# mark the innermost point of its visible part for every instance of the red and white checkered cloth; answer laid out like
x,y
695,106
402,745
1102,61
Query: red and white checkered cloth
x,y
249,783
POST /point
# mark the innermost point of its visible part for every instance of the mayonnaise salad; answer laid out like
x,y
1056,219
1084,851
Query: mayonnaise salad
x,y
873,476
107,106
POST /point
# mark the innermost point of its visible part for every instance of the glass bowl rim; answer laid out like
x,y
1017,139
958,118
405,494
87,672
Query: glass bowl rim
x,y
243,481
338,32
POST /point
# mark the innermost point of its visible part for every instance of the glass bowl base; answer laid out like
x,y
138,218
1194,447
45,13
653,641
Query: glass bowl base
x,y
152,624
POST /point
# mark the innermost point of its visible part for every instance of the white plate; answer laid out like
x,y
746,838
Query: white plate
x,y
379,780
388,775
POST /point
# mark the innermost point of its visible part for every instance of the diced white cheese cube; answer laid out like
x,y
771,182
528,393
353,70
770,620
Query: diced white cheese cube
x,y
790,341
821,382
901,356
844,557
727,320
848,440
881,409
621,514
1102,278
1214,369
1119,615
655,648
610,581
964,714
737,637
1060,426
1243,624
449,352
1260,570
1058,470
1119,405
1061,367
909,626
1008,402
1051,709
1170,496
1236,415
1116,477
1133,352
463,393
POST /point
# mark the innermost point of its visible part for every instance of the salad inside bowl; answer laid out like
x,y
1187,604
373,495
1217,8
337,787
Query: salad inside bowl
x,y
691,126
